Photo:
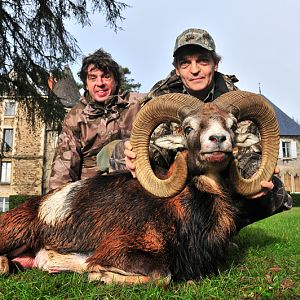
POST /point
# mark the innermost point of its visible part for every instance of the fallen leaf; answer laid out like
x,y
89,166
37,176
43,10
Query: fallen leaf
x,y
287,284
269,279
275,269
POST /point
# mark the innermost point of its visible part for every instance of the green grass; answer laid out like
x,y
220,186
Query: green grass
x,y
266,266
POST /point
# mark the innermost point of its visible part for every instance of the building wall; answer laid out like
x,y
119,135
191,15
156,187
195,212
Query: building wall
x,y
31,155
26,155
290,166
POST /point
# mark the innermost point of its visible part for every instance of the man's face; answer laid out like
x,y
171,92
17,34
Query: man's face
x,y
196,68
100,84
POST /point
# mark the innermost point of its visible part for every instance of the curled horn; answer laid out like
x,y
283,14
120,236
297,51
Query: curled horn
x,y
169,107
254,107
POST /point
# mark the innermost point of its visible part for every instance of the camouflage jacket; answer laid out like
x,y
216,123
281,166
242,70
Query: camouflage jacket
x,y
86,129
173,84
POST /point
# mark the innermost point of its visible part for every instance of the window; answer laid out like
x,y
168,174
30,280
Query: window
x,y
9,108
7,141
5,172
288,149
4,204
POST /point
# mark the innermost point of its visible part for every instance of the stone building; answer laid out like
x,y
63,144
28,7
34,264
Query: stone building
x,y
26,152
289,151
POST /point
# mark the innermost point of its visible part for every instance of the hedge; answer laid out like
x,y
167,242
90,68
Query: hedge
x,y
296,199
15,200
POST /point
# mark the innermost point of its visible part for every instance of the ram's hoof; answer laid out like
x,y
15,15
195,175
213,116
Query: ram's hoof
x,y
4,265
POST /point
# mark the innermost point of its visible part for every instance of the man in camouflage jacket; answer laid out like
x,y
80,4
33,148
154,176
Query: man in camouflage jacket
x,y
101,120
196,64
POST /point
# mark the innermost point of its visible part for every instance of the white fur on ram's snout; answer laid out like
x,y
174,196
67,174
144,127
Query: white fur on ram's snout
x,y
56,206
209,145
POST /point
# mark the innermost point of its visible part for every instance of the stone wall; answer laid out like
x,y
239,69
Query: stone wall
x,y
26,157
290,168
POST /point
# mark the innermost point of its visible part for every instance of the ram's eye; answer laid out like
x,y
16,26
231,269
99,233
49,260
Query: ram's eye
x,y
187,130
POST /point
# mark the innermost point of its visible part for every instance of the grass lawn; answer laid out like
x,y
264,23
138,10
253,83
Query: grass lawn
x,y
266,266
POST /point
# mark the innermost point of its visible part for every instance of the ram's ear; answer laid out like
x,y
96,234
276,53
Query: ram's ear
x,y
171,142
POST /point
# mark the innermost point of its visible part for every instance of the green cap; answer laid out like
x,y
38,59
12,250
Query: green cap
x,y
195,36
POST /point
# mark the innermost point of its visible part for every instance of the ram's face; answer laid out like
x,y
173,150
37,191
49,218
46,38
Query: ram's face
x,y
210,138
210,133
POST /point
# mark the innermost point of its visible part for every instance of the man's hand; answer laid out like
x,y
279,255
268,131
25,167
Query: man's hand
x,y
129,158
267,186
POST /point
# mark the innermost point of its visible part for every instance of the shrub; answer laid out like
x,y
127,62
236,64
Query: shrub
x,y
15,200
296,199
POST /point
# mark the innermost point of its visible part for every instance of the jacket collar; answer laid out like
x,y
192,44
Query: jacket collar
x,y
109,111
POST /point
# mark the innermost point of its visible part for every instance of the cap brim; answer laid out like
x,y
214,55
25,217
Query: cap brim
x,y
192,44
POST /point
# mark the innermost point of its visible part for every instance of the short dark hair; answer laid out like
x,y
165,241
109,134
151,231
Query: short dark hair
x,y
102,61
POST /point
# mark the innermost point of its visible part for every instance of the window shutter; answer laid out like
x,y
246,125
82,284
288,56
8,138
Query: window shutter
x,y
293,149
280,155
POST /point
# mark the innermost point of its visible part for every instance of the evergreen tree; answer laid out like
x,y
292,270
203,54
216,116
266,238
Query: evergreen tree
x,y
34,41
128,84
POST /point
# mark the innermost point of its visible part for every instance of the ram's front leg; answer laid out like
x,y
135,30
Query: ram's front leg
x,y
115,275
128,268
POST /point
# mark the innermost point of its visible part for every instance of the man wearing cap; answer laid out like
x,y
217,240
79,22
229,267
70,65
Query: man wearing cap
x,y
196,64
196,73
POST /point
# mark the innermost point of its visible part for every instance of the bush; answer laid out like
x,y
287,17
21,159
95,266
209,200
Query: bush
x,y
296,199
15,200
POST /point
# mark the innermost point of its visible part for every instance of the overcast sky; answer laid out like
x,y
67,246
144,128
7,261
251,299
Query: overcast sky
x,y
259,41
